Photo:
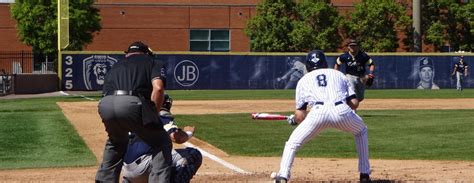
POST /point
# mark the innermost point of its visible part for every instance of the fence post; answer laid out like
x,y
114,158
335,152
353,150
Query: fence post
x,y
22,55
3,86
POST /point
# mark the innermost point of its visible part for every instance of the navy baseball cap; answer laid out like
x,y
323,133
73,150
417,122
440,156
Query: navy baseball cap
x,y
426,62
139,46
352,42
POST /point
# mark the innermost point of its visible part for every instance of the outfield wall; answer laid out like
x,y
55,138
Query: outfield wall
x,y
85,70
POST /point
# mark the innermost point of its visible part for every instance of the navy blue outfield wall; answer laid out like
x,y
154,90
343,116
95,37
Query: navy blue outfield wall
x,y
86,70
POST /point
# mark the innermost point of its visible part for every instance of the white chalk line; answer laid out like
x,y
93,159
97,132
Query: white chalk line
x,y
67,94
187,144
217,159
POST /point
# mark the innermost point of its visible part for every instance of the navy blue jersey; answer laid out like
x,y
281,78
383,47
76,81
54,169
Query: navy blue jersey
x,y
460,66
355,65
137,147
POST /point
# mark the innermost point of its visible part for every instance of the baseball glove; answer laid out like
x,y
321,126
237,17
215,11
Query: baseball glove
x,y
369,80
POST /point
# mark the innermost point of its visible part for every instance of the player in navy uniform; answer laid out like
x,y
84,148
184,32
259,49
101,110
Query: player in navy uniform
x,y
460,71
133,94
355,61
186,161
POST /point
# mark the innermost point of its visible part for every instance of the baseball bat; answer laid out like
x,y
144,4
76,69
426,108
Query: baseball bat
x,y
268,116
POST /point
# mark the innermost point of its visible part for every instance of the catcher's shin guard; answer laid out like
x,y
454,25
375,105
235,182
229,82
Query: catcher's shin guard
x,y
187,166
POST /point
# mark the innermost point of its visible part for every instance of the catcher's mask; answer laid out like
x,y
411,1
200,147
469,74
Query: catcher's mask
x,y
315,60
139,46
167,103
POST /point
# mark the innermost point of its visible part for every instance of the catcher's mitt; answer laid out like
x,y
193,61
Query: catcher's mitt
x,y
369,80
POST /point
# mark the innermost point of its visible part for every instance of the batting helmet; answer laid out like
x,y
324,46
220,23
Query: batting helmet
x,y
167,103
315,60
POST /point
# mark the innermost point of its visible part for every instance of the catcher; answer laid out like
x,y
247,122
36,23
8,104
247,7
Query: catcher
x,y
355,61
186,162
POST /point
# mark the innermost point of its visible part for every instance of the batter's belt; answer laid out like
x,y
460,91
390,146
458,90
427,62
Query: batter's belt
x,y
335,103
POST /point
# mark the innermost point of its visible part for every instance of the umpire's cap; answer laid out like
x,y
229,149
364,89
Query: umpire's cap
x,y
426,62
139,46
315,60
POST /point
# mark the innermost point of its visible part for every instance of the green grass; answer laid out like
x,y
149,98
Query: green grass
x,y
413,134
290,94
422,94
35,133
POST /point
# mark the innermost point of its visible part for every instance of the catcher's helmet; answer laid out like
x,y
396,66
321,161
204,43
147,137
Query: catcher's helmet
x,y
315,60
167,103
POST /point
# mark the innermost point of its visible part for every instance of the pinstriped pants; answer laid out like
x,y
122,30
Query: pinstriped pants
x,y
319,118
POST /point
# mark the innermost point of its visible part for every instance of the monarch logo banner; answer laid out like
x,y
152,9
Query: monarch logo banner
x,y
95,68
86,72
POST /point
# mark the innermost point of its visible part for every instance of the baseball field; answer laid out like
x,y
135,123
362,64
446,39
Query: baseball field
x,y
414,135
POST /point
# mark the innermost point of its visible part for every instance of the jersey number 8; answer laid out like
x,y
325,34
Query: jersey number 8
x,y
322,80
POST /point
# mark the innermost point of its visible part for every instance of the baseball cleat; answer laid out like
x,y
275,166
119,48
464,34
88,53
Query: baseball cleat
x,y
277,179
273,175
365,178
280,180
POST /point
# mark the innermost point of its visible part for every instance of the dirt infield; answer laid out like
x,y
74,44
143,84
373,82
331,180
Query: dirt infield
x,y
84,117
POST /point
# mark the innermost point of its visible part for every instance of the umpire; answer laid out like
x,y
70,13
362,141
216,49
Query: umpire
x,y
133,93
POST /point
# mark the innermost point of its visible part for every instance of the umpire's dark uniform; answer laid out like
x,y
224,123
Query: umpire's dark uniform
x,y
127,107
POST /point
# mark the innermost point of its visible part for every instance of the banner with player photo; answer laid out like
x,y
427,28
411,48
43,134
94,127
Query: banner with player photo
x,y
83,72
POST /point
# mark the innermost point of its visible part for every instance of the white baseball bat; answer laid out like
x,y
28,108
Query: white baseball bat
x,y
268,116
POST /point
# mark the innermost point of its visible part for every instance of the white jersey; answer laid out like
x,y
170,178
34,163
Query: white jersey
x,y
325,91
322,85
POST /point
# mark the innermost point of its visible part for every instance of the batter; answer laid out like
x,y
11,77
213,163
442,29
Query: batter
x,y
332,102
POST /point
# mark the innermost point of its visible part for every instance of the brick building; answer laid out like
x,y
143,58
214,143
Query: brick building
x,y
166,25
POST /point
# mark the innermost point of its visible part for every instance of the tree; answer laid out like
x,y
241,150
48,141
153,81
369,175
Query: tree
x,y
37,23
448,22
283,25
268,31
375,24
316,26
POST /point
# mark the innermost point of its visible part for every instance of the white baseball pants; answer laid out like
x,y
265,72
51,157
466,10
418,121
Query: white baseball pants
x,y
319,118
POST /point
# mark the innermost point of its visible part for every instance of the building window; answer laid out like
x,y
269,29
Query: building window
x,y
209,40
